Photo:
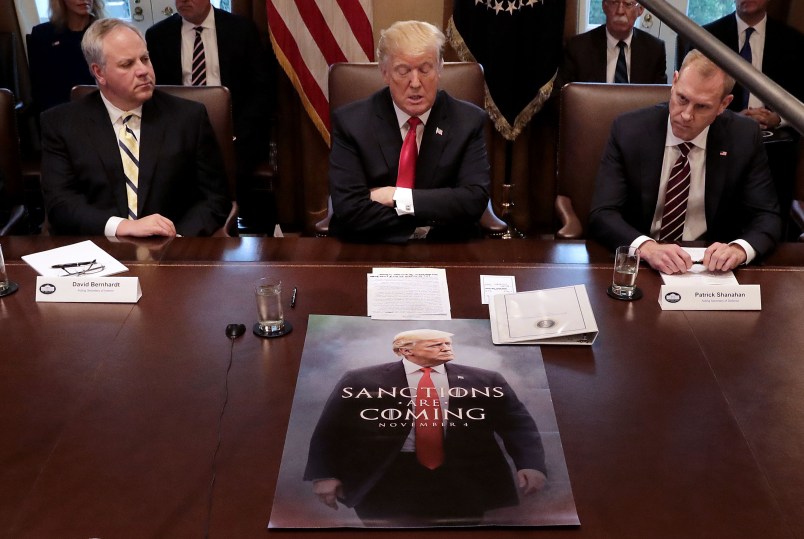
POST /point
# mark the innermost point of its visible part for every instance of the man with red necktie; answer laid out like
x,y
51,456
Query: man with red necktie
x,y
439,460
684,171
410,160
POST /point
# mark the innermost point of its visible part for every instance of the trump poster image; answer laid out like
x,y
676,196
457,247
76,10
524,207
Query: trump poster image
x,y
420,424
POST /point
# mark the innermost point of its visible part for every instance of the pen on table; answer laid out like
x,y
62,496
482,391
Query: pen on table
x,y
293,298
72,264
698,261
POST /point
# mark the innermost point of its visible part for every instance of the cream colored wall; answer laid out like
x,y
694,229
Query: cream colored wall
x,y
386,12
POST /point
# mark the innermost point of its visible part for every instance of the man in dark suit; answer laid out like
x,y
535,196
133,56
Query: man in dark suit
x,y
234,57
448,190
129,160
593,56
726,195
366,453
772,46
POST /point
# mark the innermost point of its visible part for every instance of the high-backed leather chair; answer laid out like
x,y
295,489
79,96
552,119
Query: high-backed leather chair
x,y
462,80
587,111
218,102
12,191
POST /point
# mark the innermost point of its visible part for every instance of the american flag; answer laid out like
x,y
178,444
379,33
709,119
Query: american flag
x,y
310,35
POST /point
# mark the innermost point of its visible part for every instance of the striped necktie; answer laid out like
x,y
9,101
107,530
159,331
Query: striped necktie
x,y
621,69
675,197
130,155
199,76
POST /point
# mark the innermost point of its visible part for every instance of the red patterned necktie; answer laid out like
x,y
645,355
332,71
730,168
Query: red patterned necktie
x,y
675,198
407,157
429,434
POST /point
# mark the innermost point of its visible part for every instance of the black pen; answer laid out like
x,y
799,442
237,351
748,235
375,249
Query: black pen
x,y
293,298
73,264
697,261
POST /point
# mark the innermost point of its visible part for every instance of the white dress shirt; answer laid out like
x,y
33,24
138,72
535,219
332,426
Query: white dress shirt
x,y
695,220
116,116
403,196
414,374
210,39
613,52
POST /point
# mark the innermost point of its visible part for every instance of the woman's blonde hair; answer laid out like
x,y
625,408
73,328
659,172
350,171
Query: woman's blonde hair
x,y
58,13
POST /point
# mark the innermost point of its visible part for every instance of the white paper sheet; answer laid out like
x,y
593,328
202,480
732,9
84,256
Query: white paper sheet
x,y
408,294
85,251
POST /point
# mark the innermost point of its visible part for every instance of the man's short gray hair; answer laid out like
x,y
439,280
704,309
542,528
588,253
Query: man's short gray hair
x,y
92,43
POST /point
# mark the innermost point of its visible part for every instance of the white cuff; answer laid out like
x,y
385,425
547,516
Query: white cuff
x,y
404,201
111,226
750,253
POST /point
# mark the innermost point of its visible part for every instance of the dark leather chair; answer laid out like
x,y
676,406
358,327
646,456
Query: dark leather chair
x,y
218,103
587,111
462,80
13,214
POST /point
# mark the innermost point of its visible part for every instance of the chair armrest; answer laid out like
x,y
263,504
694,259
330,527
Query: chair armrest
x,y
322,227
571,228
490,224
797,214
16,219
229,228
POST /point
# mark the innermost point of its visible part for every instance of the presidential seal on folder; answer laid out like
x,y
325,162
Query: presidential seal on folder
x,y
551,316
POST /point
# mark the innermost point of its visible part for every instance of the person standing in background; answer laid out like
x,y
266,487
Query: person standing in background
x,y
55,59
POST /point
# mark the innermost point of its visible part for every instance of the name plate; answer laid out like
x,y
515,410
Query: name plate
x,y
711,298
88,290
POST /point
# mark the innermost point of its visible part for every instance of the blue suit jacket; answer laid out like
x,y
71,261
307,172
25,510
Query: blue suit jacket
x,y
740,199
181,170
359,451
452,170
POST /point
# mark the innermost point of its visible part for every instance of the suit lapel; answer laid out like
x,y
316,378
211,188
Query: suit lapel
x,y
434,139
104,139
599,51
652,156
173,43
152,133
224,42
715,179
387,130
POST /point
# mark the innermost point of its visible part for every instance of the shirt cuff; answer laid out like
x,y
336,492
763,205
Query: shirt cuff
x,y
404,201
750,253
111,226
640,240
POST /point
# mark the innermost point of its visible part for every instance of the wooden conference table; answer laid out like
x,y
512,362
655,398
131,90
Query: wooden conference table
x,y
674,424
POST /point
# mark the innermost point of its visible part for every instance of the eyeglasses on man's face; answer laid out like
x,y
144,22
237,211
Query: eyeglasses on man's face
x,y
624,4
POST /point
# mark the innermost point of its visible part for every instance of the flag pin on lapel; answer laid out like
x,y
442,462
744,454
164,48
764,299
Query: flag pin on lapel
x,y
439,131
460,377
723,154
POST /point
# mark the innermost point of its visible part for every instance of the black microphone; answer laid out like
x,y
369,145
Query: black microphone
x,y
234,331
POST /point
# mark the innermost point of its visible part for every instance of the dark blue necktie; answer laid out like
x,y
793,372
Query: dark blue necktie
x,y
745,52
621,70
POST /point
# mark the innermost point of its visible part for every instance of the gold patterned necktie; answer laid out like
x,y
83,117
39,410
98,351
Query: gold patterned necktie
x,y
130,155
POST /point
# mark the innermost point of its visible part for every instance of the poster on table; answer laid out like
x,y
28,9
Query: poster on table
x,y
351,455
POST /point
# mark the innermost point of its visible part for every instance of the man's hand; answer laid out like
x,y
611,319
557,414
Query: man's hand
x,y
384,195
530,481
665,257
767,118
328,491
724,256
150,225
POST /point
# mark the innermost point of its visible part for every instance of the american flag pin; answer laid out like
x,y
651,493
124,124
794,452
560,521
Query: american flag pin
x,y
460,377
724,154
438,131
